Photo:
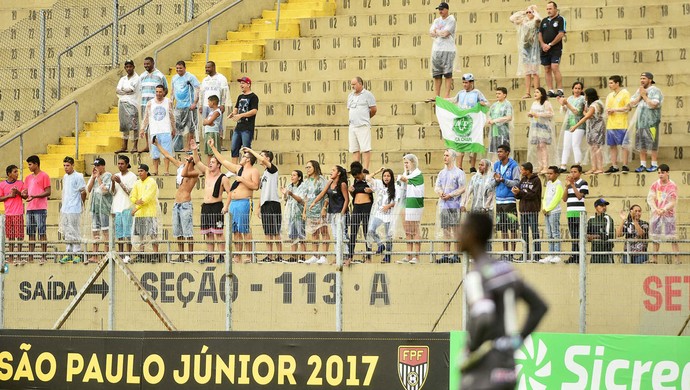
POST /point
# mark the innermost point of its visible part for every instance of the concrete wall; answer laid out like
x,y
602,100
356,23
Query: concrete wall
x,y
621,299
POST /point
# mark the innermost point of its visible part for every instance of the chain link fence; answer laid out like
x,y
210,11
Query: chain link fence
x,y
53,52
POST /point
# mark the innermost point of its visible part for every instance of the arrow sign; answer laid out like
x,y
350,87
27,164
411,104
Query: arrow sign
x,y
102,289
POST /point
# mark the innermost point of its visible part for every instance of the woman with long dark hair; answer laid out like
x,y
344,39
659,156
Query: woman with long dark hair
x,y
316,217
294,213
382,211
541,128
338,205
596,129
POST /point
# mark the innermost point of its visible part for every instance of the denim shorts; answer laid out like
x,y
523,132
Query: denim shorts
x,y
123,224
36,222
100,222
164,140
182,220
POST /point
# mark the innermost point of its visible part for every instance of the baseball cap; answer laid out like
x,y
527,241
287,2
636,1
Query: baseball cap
x,y
601,202
99,161
129,62
245,79
144,167
443,5
648,75
468,77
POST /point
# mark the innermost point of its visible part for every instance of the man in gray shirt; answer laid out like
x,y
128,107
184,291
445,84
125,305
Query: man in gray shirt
x,y
362,107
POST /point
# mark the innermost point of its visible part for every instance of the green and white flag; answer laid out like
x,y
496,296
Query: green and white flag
x,y
462,129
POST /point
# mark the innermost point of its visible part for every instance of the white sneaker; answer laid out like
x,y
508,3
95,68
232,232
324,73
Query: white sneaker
x,y
403,261
126,259
545,260
322,260
311,260
555,259
413,261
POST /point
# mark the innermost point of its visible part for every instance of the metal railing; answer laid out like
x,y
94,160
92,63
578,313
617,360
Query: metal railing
x,y
20,135
114,26
206,22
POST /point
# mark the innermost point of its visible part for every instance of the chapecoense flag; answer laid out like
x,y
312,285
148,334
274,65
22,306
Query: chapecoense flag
x,y
462,129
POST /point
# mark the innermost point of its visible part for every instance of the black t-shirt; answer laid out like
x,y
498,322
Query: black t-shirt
x,y
246,103
550,28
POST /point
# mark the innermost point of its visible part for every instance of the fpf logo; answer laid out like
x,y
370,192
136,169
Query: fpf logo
x,y
531,365
413,366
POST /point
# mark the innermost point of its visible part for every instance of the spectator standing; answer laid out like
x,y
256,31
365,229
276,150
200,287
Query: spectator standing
x,y
361,106
450,185
596,129
185,97
467,98
442,30
500,120
413,185
244,114
183,208
527,23
121,186
144,196
148,81
362,201
128,107
317,225
541,129
648,100
160,122
576,189
528,191
214,84
212,126
11,195
506,176
269,210
37,189
617,123
662,199
481,189
100,188
73,197
573,132
551,33
294,211
551,208
213,208
336,190
385,199
241,192
600,232
636,233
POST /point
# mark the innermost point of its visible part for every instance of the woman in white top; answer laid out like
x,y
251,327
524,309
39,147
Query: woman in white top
x,y
572,135
382,211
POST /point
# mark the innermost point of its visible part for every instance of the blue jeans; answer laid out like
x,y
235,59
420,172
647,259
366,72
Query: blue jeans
x,y
241,138
553,231
530,221
374,234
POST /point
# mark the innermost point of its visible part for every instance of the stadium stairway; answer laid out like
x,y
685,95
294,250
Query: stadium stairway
x,y
102,136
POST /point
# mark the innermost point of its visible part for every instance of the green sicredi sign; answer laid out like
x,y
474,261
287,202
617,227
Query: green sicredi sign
x,y
590,361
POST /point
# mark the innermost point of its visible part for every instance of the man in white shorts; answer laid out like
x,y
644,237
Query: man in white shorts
x,y
362,107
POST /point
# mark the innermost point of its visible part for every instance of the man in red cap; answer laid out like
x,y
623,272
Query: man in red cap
x,y
244,114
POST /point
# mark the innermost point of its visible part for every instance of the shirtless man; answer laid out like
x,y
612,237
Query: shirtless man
x,y
212,210
246,182
182,216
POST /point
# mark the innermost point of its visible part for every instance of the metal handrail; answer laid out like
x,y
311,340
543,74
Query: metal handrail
x,y
107,26
206,22
20,135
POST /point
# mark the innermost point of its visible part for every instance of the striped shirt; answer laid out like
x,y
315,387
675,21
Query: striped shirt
x,y
415,190
148,82
575,205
